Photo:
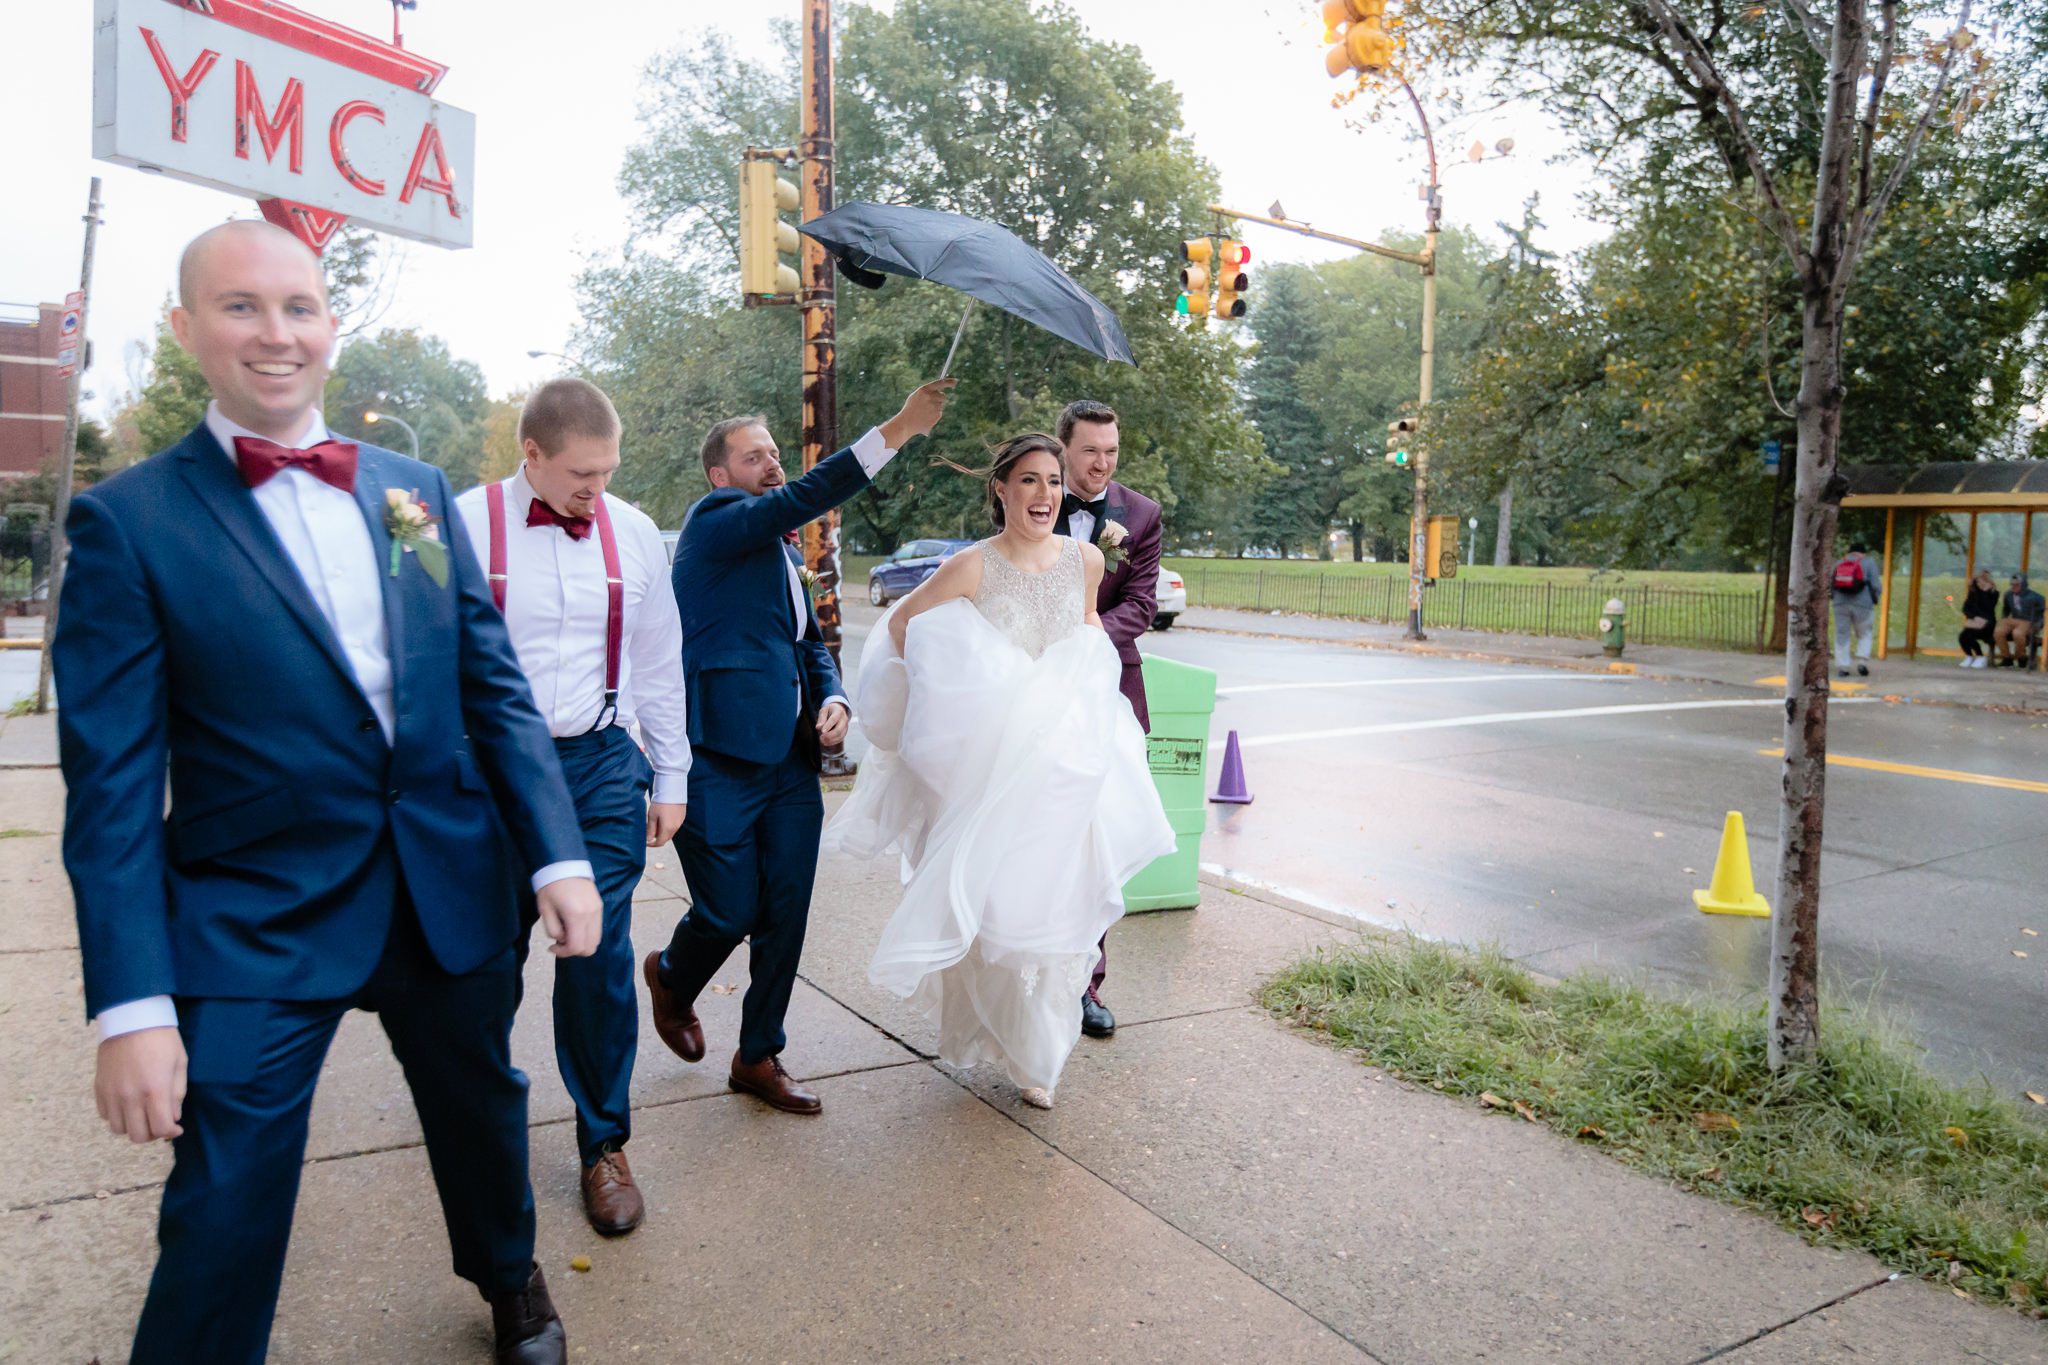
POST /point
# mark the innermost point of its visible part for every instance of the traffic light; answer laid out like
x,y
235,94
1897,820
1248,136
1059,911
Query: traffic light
x,y
1231,279
1194,279
1400,440
764,194
1440,548
1360,43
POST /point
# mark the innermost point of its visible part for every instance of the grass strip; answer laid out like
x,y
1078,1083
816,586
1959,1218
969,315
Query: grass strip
x,y
1864,1149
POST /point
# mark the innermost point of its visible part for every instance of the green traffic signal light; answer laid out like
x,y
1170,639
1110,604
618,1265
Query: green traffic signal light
x,y
1180,305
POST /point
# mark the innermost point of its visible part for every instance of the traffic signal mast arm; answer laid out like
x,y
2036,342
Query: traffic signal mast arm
x,y
1392,253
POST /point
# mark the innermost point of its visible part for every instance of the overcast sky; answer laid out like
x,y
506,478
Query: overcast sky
x,y
554,89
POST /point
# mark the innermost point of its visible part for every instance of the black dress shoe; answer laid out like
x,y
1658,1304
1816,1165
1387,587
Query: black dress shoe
x,y
1096,1020
528,1330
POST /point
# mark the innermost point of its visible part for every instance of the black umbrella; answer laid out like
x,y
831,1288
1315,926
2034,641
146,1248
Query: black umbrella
x,y
982,260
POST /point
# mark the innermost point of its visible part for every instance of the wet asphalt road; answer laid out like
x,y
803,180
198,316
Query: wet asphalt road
x,y
1569,816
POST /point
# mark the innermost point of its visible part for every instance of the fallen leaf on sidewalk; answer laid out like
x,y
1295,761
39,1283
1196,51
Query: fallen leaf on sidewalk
x,y
1525,1111
723,990
580,1263
2037,1097
1711,1122
2017,953
1593,1130
2030,933
1489,1100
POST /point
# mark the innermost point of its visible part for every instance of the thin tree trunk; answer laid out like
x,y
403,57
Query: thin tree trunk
x,y
1794,1026
1501,532
1358,542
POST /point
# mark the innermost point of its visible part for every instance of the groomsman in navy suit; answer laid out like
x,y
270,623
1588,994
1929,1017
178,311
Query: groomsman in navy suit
x,y
583,580
267,614
764,700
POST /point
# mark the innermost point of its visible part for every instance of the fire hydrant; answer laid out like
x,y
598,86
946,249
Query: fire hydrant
x,y
1611,633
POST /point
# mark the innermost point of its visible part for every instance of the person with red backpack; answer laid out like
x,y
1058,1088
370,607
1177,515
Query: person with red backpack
x,y
1855,601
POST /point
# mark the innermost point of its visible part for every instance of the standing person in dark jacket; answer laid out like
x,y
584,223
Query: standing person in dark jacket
x,y
1980,608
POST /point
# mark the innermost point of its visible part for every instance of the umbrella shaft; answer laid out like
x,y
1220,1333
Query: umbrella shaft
x,y
958,332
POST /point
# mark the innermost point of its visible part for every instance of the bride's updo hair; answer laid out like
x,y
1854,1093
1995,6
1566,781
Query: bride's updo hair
x,y
1005,457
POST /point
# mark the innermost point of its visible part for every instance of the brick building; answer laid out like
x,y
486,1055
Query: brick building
x,y
32,398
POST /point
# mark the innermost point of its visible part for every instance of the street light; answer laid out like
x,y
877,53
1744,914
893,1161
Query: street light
x,y
536,355
387,417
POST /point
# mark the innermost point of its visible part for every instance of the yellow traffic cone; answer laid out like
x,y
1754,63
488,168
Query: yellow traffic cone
x,y
1733,891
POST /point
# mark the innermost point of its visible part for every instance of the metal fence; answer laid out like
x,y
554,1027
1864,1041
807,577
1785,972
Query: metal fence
x,y
1691,617
24,558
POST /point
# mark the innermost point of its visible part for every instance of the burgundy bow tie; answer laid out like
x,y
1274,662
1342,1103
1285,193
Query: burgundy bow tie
x,y
539,513
331,462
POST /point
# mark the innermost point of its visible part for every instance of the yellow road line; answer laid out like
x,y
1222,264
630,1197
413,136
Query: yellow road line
x,y
1913,770
1834,684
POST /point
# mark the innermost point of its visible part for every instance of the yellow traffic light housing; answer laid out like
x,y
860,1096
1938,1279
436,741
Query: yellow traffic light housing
x,y
1401,442
1440,548
1231,279
1194,279
764,237
1359,38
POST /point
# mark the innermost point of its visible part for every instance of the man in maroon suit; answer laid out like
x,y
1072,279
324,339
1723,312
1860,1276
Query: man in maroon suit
x,y
1125,525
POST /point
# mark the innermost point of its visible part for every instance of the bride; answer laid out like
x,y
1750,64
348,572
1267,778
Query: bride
x,y
1010,775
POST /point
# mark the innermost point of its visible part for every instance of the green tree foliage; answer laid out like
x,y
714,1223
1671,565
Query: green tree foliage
x,y
175,396
1295,506
994,110
415,377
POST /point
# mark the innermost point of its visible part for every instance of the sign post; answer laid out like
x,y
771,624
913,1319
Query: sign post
x,y
67,454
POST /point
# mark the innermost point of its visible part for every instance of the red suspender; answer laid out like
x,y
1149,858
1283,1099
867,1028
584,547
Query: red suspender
x,y
615,615
614,583
494,499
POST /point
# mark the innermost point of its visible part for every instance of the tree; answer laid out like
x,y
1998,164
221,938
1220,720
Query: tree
x,y
1783,101
982,108
414,377
1295,506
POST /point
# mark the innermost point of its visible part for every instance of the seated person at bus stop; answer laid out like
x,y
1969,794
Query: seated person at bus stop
x,y
2021,625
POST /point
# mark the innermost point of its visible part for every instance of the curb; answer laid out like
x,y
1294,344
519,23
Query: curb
x,y
1583,666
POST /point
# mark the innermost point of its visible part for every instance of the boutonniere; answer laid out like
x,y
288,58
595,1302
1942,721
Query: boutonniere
x,y
1110,540
808,577
414,531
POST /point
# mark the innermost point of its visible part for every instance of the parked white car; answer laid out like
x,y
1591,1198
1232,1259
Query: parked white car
x,y
1173,598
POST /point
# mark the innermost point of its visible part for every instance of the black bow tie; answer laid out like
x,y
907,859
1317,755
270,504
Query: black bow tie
x,y
1073,503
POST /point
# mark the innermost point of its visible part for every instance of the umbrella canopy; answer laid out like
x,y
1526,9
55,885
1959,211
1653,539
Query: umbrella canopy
x,y
982,260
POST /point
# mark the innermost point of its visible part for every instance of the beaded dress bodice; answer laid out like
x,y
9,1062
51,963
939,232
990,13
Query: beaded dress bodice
x,y
1035,610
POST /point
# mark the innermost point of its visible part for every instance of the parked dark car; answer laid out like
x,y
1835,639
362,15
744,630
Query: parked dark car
x,y
914,562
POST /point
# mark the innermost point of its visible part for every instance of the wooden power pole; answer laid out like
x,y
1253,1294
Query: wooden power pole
x,y
67,456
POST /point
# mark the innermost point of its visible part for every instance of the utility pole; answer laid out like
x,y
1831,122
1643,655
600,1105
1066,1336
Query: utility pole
x,y
67,457
820,309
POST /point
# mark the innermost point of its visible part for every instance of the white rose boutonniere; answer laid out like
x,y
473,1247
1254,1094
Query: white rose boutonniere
x,y
413,531
807,576
1110,540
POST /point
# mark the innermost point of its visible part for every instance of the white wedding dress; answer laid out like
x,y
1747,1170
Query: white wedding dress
x,y
1011,776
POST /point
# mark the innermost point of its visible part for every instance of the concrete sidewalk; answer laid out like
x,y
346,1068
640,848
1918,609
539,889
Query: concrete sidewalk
x,y
1211,1187
1939,682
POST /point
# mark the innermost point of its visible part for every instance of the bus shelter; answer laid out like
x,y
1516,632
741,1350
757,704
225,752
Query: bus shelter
x,y
1963,514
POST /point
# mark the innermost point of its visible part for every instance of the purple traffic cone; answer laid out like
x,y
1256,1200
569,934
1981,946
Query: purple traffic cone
x,y
1230,791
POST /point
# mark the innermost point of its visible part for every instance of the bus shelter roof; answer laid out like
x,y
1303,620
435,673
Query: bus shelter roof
x,y
1959,485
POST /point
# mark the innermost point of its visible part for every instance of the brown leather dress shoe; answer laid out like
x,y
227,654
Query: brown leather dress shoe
x,y
611,1201
674,1021
526,1326
766,1080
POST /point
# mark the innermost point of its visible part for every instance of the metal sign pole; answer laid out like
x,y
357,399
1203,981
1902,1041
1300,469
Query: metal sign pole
x,y
67,458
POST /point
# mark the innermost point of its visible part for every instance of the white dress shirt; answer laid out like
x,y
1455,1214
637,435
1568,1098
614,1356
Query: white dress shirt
x,y
325,536
557,608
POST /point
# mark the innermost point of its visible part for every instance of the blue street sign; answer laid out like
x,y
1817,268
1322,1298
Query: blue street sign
x,y
1771,449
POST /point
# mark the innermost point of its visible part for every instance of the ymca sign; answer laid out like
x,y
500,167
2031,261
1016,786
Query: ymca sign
x,y
322,123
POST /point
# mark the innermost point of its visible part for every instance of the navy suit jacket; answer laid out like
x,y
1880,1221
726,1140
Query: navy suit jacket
x,y
747,674
186,639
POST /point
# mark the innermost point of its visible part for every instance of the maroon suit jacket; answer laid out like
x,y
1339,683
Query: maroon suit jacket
x,y
1129,596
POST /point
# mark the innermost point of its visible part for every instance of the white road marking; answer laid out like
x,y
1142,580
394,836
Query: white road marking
x,y
1507,717
1526,676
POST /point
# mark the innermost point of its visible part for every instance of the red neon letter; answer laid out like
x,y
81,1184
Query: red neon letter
x,y
416,179
338,129
181,90
291,115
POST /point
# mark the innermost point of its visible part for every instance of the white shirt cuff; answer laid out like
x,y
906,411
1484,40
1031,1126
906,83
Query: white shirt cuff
x,y
871,453
155,1011
670,789
835,697
554,872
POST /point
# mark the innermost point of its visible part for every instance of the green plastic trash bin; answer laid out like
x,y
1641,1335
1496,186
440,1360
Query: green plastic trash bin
x,y
1181,698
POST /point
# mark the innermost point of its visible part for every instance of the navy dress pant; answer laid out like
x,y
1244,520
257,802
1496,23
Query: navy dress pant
x,y
749,849
226,1216
597,1007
